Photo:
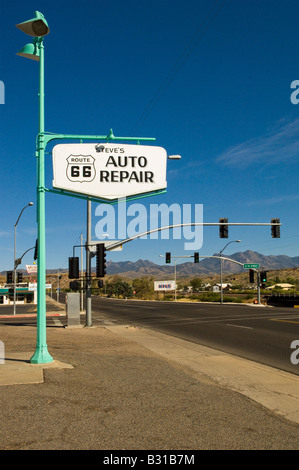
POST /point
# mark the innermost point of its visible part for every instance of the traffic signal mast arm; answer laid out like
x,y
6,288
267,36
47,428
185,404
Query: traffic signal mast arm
x,y
205,256
190,224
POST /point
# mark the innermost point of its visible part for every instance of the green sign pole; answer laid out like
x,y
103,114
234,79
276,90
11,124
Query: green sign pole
x,y
37,28
41,354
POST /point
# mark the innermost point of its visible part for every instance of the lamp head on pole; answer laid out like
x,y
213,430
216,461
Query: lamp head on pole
x,y
30,51
36,27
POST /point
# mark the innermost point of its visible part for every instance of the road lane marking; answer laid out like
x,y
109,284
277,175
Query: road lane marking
x,y
284,321
240,326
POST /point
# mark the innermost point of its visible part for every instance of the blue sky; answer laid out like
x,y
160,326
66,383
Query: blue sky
x,y
210,80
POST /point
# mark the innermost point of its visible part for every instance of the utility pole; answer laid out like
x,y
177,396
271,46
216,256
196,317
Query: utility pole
x,y
58,286
88,265
81,291
221,288
175,280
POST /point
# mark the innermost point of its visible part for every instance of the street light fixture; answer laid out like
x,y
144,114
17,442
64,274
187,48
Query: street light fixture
x,y
221,289
30,51
15,264
38,28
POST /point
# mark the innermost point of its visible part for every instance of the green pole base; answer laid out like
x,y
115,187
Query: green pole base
x,y
41,356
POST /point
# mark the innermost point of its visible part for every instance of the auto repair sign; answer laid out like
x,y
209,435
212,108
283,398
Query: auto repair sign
x,y
109,171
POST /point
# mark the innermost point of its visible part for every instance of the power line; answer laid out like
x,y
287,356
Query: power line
x,y
201,30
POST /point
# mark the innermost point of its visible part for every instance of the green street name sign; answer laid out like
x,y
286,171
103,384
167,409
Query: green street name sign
x,y
251,266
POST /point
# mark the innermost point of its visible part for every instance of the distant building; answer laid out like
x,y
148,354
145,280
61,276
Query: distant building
x,y
282,286
217,287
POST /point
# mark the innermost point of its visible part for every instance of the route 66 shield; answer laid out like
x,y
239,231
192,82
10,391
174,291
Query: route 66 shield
x,y
80,168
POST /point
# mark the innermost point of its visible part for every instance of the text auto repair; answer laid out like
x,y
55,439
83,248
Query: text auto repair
x,y
119,161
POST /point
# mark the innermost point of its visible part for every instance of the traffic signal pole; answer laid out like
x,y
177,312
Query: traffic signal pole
x,y
258,288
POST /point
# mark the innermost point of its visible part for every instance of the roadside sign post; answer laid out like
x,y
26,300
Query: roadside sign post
x,y
255,267
38,28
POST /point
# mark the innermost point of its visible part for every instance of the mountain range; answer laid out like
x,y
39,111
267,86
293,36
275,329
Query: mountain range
x,y
206,266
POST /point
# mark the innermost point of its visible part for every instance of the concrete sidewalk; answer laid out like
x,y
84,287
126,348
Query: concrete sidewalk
x,y
118,387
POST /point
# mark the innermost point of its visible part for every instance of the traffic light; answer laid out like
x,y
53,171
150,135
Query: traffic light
x,y
100,284
263,278
74,285
168,258
9,277
223,229
101,260
196,257
251,275
74,268
35,250
275,229
19,277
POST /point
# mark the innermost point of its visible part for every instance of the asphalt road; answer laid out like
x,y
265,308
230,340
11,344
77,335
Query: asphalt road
x,y
262,334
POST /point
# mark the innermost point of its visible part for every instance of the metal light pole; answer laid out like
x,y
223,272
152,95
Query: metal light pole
x,y
81,291
88,266
175,258
38,28
15,264
221,290
175,261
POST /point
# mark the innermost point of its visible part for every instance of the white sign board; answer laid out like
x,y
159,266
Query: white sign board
x,y
31,268
164,285
33,286
109,171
